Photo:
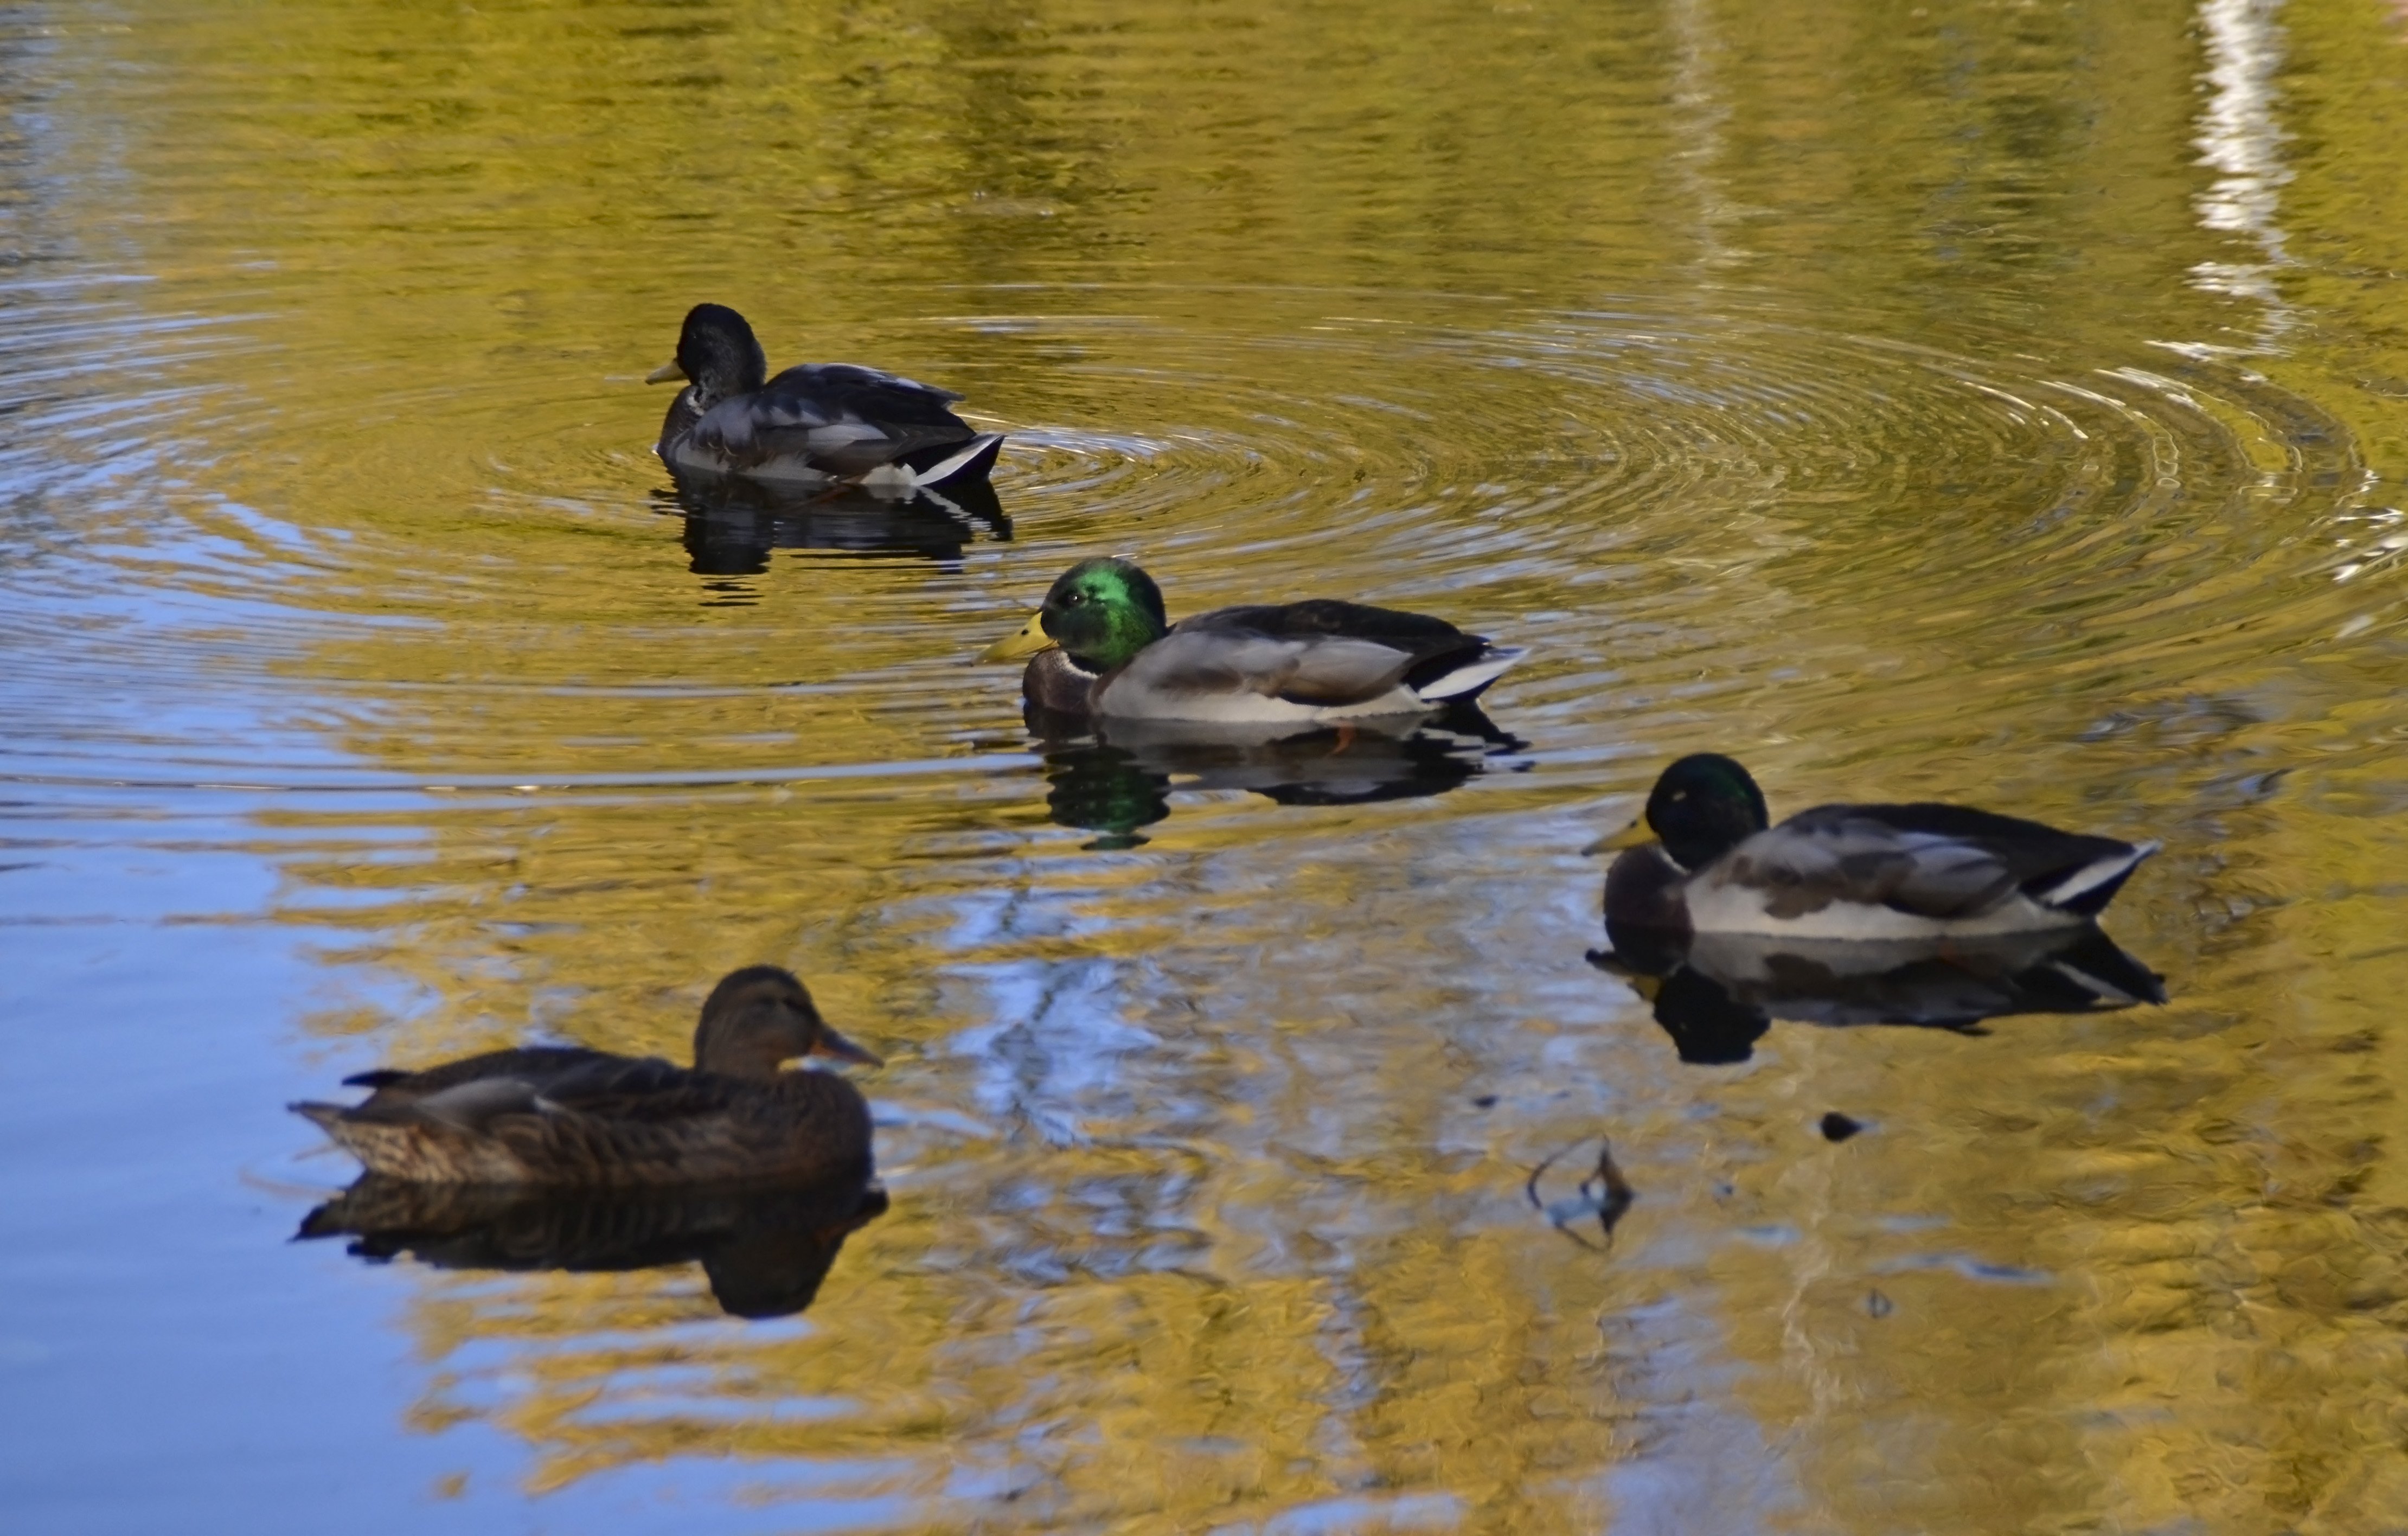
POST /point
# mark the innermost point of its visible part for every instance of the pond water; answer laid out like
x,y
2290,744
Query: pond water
x,y
2002,402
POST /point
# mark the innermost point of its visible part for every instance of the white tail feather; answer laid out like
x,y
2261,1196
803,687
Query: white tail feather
x,y
1473,675
2094,874
945,468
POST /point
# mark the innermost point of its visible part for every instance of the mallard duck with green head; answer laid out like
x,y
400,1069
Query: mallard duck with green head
x,y
571,1117
1923,871
816,423
1103,646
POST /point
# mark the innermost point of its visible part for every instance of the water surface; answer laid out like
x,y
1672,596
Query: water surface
x,y
2000,402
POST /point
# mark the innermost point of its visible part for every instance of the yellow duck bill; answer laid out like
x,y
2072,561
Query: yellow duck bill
x,y
1027,641
1637,835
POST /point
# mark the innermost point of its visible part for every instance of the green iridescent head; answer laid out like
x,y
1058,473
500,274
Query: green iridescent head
x,y
1704,806
1100,613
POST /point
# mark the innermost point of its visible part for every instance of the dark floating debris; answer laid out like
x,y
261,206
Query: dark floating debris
x,y
1839,1127
1604,1194
1879,1305
1486,1102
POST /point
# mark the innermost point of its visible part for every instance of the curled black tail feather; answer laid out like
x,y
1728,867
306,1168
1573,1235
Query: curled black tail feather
x,y
381,1078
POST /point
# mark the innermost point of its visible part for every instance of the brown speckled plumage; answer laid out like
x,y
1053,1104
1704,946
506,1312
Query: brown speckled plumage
x,y
569,1117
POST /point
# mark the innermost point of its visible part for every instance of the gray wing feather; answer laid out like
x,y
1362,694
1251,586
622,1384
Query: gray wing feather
x,y
1333,670
850,388
853,418
1191,662
1814,859
1345,671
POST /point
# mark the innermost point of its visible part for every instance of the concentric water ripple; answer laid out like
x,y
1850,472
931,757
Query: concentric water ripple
x,y
1704,505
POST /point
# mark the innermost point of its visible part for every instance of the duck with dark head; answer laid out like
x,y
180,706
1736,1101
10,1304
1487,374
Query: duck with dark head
x,y
569,1117
1905,872
816,423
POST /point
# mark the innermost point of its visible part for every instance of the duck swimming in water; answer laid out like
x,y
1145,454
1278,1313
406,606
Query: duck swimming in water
x,y
1102,646
814,425
569,1117
1848,872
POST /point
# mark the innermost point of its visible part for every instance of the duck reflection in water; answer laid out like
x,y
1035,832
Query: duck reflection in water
x,y
764,1249
731,524
1113,777
1717,994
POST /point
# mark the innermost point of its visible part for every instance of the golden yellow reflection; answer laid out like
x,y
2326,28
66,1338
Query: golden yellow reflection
x,y
1872,390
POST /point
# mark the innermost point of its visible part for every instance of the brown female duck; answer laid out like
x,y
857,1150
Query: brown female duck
x,y
565,1117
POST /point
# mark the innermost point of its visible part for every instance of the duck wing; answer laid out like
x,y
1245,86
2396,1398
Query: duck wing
x,y
469,1093
1320,652
846,419
533,1063
678,1127
1938,861
589,1118
648,1092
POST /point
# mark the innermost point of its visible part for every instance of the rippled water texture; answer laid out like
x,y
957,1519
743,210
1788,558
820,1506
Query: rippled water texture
x,y
1996,402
